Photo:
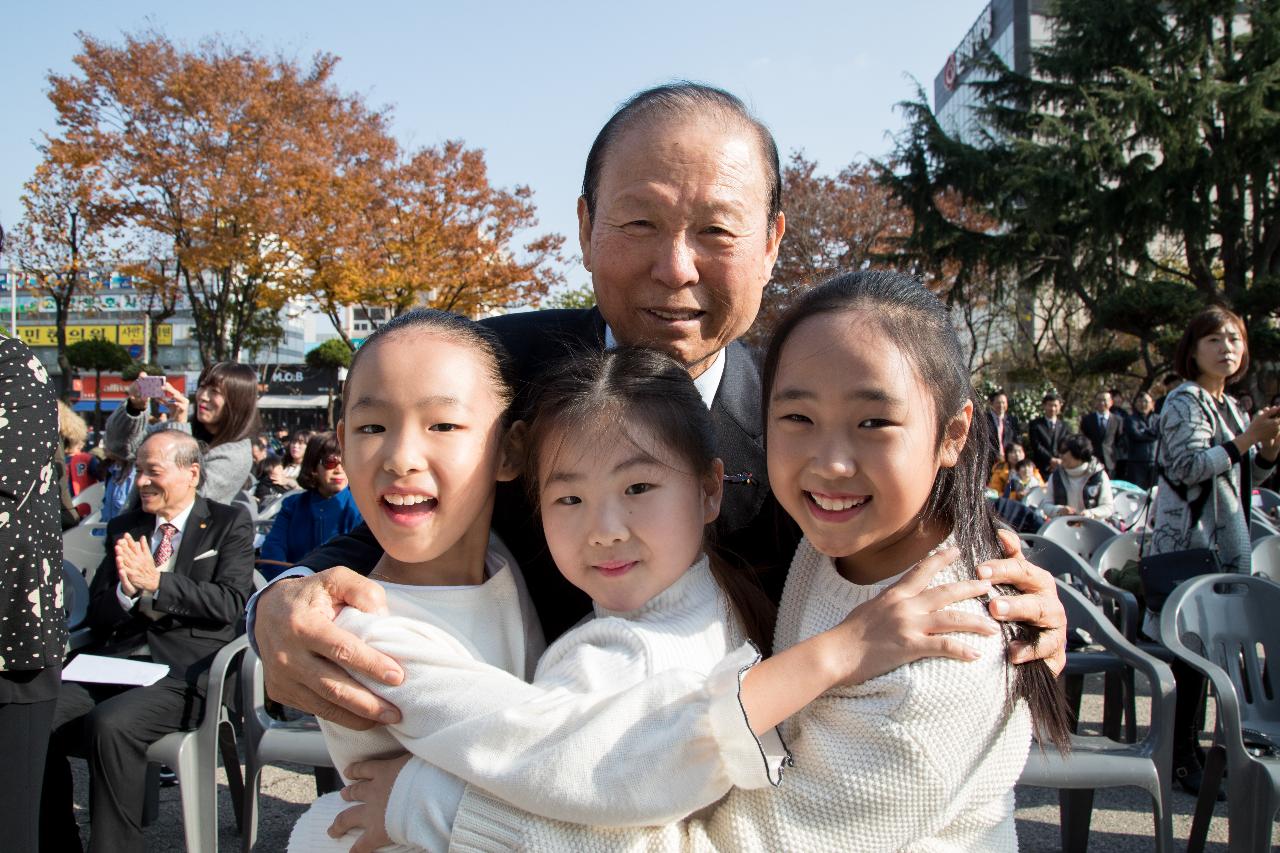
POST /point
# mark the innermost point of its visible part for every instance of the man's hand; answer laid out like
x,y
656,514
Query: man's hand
x,y
136,565
371,786
305,656
1038,604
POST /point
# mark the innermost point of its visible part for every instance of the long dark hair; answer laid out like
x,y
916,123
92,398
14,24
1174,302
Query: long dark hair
x,y
918,322
628,387
238,384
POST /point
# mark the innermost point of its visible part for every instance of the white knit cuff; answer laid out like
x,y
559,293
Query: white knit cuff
x,y
743,754
486,824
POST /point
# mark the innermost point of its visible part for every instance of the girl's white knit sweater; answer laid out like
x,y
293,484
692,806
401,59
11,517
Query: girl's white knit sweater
x,y
923,758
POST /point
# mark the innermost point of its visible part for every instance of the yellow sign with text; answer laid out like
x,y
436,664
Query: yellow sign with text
x,y
125,335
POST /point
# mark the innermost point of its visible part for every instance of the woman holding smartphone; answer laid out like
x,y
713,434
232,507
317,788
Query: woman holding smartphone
x,y
226,419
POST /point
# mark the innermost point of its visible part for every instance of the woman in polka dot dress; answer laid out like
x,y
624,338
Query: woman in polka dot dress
x,y
33,631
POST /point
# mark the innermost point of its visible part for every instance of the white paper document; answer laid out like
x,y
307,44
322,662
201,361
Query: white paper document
x,y
96,669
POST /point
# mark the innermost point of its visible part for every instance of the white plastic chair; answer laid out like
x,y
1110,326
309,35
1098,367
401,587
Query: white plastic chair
x,y
1266,557
193,756
1259,528
91,497
1100,762
1116,551
268,740
84,546
1078,534
1131,508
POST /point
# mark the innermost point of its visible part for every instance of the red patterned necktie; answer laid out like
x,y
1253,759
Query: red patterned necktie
x,y
165,549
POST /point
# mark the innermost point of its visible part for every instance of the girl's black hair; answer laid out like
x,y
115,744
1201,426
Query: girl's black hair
x,y
629,387
303,435
238,384
918,322
498,363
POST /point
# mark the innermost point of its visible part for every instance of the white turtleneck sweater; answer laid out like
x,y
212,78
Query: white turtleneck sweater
x,y
923,758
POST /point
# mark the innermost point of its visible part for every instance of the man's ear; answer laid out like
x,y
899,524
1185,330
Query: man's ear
x,y
512,461
584,232
955,435
712,492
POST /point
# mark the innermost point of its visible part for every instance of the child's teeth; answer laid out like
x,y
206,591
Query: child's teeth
x,y
837,504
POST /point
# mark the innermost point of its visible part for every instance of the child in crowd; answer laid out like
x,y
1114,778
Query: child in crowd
x,y
1004,468
879,763
269,480
1080,485
1024,478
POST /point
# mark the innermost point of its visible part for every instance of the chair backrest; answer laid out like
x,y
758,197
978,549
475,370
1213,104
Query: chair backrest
x,y
1131,507
85,545
75,595
1270,498
1259,529
1266,557
1230,620
1081,535
1035,496
1116,551
1062,563
91,496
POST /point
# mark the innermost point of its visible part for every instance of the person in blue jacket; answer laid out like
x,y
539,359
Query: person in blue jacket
x,y
312,517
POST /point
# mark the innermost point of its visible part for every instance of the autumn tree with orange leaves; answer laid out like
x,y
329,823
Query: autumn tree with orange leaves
x,y
269,183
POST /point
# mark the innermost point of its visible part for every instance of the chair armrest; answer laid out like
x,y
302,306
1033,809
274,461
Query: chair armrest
x,y
222,663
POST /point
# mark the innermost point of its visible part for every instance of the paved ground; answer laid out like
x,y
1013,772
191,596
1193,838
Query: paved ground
x,y
1121,818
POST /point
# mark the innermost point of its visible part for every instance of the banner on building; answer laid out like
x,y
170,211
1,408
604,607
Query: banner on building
x,y
116,388
124,334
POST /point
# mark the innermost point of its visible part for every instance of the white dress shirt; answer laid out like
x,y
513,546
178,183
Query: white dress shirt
x,y
179,521
707,384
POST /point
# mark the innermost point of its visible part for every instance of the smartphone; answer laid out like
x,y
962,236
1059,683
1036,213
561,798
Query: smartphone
x,y
151,386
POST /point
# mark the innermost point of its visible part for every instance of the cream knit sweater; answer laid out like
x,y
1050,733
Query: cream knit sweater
x,y
924,758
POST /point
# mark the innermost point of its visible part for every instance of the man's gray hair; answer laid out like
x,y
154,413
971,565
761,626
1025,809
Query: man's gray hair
x,y
186,450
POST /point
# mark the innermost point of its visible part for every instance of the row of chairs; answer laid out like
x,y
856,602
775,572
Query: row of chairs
x,y
1219,625
236,699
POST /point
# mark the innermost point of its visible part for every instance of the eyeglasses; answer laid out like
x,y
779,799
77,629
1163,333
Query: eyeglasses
x,y
331,462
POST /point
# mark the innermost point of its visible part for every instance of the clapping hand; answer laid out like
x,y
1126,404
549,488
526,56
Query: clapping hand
x,y
136,566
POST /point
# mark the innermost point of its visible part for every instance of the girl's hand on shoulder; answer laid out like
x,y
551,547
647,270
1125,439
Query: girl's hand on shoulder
x,y
1038,604
907,622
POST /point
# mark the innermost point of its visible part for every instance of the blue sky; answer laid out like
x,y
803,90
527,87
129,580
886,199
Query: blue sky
x,y
532,82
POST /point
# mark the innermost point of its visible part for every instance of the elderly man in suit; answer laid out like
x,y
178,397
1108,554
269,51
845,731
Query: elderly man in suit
x,y
680,221
171,589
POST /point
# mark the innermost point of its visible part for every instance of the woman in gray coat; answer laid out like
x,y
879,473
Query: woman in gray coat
x,y
1208,464
226,419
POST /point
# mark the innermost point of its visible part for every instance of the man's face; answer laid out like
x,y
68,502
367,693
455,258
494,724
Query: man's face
x,y
1051,408
680,247
1000,405
164,487
1102,402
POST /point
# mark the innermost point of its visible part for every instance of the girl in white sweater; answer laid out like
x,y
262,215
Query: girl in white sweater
x,y
620,455
864,387
425,441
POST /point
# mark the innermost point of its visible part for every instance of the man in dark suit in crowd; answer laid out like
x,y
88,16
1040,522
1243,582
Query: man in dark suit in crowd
x,y
1045,434
1004,426
680,221
171,589
1103,429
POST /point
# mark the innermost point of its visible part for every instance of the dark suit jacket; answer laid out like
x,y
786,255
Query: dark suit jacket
x,y
752,531
1104,439
202,599
1011,435
1044,441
